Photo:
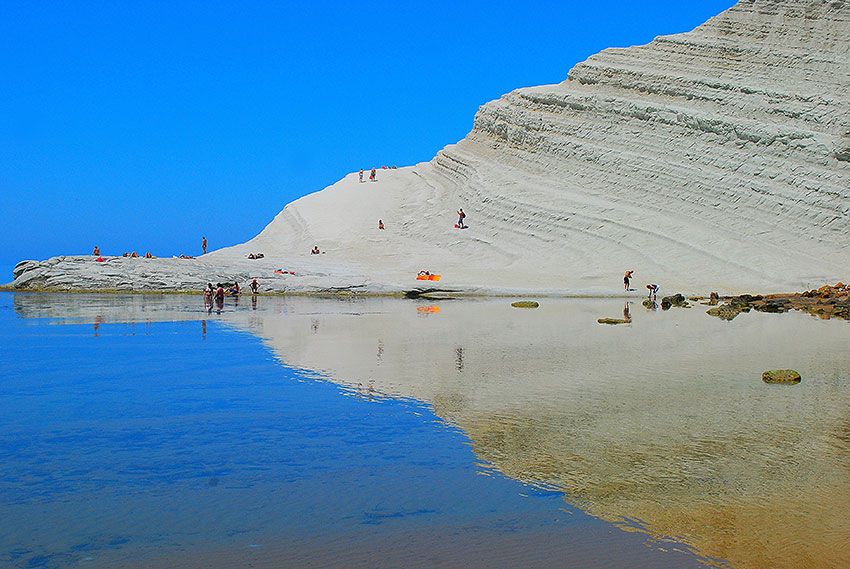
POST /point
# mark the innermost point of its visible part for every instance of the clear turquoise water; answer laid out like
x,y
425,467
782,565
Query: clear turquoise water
x,y
180,443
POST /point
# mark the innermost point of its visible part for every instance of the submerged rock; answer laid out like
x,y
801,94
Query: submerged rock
x,y
675,300
781,376
649,303
613,321
525,304
725,311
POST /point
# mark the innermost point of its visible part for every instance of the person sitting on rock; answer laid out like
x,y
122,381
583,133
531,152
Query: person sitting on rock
x,y
96,251
234,289
134,255
148,255
315,250
424,273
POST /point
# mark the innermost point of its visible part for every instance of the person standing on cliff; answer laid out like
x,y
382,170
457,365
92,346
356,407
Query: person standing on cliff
x,y
373,175
96,251
204,244
361,175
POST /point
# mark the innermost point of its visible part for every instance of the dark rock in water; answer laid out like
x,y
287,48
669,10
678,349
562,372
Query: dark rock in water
x,y
613,321
525,304
674,300
775,305
649,303
745,299
725,311
713,299
828,301
781,376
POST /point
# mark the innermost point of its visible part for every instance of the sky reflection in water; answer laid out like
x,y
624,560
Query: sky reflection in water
x,y
124,439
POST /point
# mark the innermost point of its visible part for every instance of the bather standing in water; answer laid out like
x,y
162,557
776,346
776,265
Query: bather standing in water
x,y
653,290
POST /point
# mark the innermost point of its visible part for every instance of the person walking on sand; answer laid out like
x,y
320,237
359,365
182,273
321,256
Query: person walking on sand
x,y
626,279
204,244
373,175
461,216
361,175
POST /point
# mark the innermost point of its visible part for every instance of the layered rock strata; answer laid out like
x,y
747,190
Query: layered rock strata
x,y
717,159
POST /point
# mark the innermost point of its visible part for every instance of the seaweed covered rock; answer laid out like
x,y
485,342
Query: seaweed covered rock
x,y
613,321
786,376
675,300
525,304
725,311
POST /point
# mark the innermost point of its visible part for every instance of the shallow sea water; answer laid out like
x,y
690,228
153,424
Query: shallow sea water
x,y
146,431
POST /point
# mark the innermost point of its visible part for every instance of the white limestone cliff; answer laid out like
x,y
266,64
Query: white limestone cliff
x,y
714,159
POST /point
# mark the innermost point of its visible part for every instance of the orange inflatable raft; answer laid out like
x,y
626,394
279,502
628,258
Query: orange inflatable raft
x,y
428,277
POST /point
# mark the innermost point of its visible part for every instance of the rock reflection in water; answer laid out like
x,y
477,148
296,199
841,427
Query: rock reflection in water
x,y
665,422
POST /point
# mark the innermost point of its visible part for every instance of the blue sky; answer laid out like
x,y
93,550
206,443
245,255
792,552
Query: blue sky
x,y
145,125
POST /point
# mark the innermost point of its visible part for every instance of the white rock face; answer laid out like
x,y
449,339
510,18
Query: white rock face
x,y
714,159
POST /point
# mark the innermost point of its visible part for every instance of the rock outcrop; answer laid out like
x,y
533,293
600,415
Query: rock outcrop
x,y
825,302
716,159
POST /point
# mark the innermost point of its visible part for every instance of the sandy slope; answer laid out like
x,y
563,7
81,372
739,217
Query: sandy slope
x,y
715,159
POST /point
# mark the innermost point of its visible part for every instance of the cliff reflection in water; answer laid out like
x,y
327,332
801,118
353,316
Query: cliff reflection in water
x,y
663,424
